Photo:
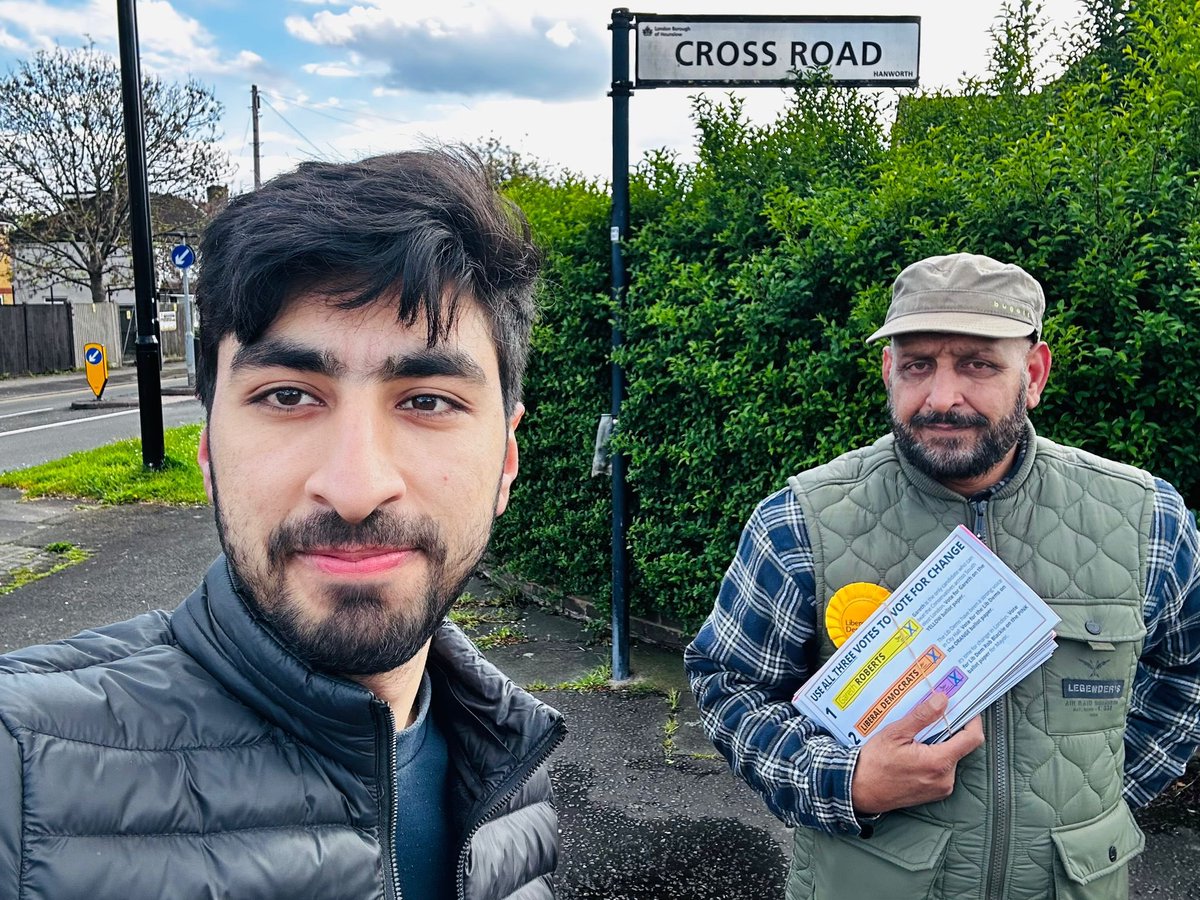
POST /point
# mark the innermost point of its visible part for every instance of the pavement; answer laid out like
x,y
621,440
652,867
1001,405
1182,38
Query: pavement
x,y
647,810
16,386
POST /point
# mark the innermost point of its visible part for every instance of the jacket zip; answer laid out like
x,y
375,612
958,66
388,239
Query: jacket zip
x,y
387,720
517,780
997,756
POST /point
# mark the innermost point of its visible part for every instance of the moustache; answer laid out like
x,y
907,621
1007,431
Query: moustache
x,y
329,530
954,419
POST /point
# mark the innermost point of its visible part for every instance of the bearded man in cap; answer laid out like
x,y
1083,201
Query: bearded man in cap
x,y
1032,799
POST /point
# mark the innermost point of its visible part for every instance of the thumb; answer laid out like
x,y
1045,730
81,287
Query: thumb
x,y
922,715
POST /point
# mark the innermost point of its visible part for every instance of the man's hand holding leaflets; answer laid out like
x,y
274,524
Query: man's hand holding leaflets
x,y
960,631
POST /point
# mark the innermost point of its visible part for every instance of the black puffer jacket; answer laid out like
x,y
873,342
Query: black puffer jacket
x,y
188,755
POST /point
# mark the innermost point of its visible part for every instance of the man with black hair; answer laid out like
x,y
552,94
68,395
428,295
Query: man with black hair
x,y
307,724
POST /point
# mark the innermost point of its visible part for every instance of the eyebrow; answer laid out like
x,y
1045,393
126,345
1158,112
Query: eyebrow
x,y
960,350
430,362
274,353
433,362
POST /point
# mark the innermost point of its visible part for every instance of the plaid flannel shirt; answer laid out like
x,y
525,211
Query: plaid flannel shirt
x,y
752,655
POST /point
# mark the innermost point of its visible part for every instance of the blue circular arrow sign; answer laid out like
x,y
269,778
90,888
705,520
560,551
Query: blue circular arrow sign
x,y
94,356
183,256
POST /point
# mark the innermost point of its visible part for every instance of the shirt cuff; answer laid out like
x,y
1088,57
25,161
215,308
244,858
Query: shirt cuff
x,y
861,823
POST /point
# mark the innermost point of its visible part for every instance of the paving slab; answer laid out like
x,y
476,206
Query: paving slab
x,y
20,520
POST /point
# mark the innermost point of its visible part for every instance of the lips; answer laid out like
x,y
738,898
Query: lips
x,y
359,561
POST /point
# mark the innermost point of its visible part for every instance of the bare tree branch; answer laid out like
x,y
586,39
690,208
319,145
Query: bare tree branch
x,y
62,160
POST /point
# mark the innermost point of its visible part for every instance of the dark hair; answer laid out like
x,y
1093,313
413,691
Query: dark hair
x,y
424,229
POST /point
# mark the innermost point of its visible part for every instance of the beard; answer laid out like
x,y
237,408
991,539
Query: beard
x,y
367,629
958,458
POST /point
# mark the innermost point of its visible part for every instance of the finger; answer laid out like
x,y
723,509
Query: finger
x,y
921,716
966,740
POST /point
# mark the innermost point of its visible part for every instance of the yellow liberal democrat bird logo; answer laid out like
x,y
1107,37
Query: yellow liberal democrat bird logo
x,y
850,607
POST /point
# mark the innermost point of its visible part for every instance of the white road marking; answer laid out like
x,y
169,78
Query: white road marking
x,y
20,397
167,401
28,412
124,412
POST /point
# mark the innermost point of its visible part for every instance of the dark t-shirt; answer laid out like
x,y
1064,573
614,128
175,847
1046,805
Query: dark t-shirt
x,y
426,855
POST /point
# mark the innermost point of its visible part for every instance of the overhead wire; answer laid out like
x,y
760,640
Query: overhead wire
x,y
324,112
320,153
245,135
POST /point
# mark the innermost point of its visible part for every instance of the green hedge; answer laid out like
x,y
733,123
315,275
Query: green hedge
x,y
758,271
555,531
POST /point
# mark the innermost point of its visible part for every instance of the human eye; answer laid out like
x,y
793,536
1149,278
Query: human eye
x,y
430,404
918,366
979,366
285,398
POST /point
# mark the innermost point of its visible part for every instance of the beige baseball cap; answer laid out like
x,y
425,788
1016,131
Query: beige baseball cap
x,y
964,293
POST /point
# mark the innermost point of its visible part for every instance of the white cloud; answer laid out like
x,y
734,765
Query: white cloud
x,y
8,42
330,70
44,24
519,49
171,43
562,35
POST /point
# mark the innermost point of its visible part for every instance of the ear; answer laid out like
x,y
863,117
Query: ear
x,y
886,367
1037,368
202,459
511,459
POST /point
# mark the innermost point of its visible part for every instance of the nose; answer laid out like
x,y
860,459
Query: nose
x,y
360,465
944,391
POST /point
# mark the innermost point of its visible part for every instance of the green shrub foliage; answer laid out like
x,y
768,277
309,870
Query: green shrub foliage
x,y
758,271
556,529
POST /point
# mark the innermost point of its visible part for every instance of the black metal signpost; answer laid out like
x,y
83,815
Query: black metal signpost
x,y
148,359
724,51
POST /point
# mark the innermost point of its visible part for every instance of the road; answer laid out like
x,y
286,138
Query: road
x,y
37,423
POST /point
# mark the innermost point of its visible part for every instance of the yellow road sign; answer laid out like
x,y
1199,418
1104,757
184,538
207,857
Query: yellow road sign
x,y
95,367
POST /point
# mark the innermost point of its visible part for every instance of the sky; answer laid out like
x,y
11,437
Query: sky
x,y
343,79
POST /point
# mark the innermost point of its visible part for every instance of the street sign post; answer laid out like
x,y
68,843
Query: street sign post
x,y
184,257
95,367
724,51
141,249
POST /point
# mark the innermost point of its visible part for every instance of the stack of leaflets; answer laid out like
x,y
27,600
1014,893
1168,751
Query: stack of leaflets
x,y
963,624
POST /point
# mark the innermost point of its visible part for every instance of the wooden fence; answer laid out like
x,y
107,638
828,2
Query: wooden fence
x,y
35,339
97,323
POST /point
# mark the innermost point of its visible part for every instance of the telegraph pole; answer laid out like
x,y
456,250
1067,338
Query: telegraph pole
x,y
148,355
254,120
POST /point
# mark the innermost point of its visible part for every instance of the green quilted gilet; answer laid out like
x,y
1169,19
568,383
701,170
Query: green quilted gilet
x,y
1037,811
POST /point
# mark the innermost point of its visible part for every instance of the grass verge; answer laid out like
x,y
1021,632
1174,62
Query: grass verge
x,y
114,473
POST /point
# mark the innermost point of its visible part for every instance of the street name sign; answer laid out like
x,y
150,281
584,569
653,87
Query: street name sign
x,y
728,51
95,367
